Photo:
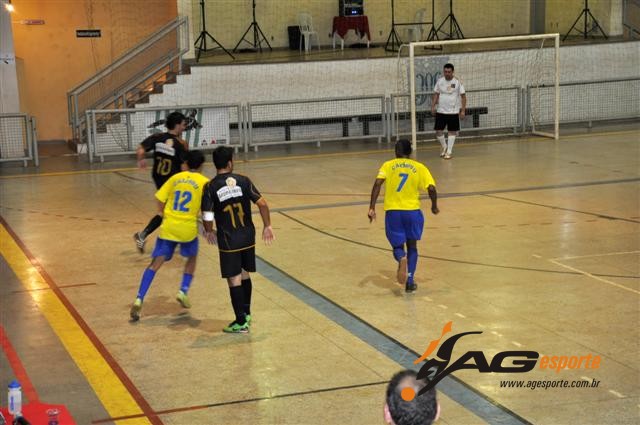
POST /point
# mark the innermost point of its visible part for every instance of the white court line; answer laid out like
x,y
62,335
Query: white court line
x,y
460,315
516,343
617,285
443,306
597,255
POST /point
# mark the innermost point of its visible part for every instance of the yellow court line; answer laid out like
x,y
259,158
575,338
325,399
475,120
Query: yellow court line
x,y
329,155
115,397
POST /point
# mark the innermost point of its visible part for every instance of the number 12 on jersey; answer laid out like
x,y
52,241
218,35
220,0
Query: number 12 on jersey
x,y
181,201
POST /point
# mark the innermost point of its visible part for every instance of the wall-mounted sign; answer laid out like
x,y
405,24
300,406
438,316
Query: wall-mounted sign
x,y
88,33
32,22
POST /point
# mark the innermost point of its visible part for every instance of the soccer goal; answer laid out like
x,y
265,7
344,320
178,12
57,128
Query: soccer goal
x,y
511,82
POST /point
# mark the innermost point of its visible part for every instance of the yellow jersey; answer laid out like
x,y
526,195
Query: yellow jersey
x,y
404,180
182,196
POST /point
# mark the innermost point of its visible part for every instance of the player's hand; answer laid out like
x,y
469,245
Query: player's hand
x,y
462,114
434,210
267,235
212,237
142,163
371,215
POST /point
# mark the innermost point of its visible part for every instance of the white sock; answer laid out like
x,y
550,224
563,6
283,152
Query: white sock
x,y
452,140
441,140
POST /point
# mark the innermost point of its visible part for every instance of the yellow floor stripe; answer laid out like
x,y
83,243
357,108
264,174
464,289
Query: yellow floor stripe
x,y
108,387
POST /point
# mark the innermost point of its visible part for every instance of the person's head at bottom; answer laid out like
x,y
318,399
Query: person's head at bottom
x,y
403,148
223,158
404,406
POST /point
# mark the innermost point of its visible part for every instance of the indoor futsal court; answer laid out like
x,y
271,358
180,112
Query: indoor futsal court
x,y
527,307
536,245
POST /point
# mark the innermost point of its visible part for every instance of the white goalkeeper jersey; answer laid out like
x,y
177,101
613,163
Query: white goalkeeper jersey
x,y
450,91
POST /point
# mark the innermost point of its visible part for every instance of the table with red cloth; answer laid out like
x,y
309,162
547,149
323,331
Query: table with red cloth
x,y
342,25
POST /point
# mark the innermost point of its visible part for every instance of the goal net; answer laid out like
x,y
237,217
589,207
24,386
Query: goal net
x,y
511,83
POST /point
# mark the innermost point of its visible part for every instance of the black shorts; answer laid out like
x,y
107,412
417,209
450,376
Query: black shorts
x,y
451,121
160,180
232,263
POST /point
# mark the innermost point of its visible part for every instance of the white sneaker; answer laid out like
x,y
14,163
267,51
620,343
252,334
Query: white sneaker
x,y
447,156
443,152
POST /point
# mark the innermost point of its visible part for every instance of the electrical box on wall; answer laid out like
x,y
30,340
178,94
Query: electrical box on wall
x,y
351,7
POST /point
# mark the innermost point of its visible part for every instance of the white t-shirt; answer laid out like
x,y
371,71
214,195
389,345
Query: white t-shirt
x,y
450,91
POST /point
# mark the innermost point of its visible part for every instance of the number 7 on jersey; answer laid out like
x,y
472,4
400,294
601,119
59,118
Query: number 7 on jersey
x,y
404,177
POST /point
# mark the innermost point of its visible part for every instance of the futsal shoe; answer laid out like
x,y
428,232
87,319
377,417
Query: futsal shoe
x,y
183,299
236,328
410,287
135,310
247,317
139,242
443,152
402,271
447,156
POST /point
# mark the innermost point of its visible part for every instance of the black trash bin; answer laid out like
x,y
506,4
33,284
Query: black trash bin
x,y
294,37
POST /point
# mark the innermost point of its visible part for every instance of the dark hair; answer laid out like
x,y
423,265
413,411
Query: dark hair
x,y
174,119
403,148
195,159
449,66
421,410
221,156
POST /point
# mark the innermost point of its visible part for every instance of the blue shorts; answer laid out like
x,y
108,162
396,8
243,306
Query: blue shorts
x,y
401,226
165,248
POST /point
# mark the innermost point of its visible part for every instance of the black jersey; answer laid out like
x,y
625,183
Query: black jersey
x,y
168,155
229,197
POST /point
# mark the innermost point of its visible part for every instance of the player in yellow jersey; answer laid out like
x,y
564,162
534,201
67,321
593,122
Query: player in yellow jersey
x,y
405,179
179,201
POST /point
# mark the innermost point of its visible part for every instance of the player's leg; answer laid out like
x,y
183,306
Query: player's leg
x,y
154,223
414,223
190,251
161,253
453,126
439,128
248,266
412,259
247,286
231,268
140,237
394,231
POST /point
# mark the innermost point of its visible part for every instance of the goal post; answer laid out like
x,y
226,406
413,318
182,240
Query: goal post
x,y
528,65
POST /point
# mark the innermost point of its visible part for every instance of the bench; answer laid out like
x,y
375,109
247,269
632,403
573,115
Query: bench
x,y
421,117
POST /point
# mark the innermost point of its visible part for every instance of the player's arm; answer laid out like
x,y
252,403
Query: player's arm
x,y
162,195
206,208
375,192
435,97
146,145
267,233
433,195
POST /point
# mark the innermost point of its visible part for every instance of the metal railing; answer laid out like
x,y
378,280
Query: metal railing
x,y
316,120
120,131
587,101
512,110
18,140
132,76
496,109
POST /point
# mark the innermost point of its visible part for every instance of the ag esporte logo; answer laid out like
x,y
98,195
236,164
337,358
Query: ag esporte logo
x,y
521,361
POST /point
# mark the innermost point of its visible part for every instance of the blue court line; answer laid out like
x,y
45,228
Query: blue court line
x,y
481,405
